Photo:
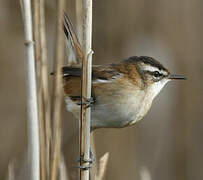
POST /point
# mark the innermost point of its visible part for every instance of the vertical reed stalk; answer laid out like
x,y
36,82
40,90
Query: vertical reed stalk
x,y
43,88
32,124
36,19
86,87
56,117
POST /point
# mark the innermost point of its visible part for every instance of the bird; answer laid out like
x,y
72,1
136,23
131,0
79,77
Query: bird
x,y
122,92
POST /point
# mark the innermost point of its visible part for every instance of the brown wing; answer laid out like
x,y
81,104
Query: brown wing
x,y
100,74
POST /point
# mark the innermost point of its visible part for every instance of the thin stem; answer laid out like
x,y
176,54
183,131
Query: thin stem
x,y
36,19
86,87
45,86
57,92
32,109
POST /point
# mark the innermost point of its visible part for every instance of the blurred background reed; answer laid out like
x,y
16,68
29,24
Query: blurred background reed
x,y
167,143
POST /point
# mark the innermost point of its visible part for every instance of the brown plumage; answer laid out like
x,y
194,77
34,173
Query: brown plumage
x,y
114,73
123,92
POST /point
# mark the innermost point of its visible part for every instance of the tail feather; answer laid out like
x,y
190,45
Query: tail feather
x,y
72,39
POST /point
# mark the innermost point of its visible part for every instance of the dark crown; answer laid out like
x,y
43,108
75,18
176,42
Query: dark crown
x,y
146,60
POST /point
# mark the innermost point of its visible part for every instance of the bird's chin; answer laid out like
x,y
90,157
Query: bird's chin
x,y
156,87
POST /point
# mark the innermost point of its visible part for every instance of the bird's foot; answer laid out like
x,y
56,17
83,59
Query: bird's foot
x,y
87,101
90,162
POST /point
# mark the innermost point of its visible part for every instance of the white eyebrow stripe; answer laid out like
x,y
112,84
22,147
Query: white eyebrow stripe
x,y
152,69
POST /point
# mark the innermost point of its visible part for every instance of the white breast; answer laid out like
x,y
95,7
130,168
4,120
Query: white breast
x,y
121,109
71,106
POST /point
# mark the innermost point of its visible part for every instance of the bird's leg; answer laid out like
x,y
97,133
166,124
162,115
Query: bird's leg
x,y
87,101
91,161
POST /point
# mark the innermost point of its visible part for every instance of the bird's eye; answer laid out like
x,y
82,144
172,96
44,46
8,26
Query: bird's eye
x,y
156,74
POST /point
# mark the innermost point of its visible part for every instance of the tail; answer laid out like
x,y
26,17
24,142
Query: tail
x,y
73,45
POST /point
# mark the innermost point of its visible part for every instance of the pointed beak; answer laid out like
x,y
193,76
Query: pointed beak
x,y
175,76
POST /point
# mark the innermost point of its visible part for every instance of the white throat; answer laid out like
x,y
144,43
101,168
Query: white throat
x,y
156,87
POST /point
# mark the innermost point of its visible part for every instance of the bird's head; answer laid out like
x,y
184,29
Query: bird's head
x,y
153,74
